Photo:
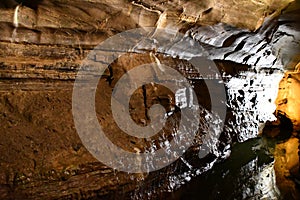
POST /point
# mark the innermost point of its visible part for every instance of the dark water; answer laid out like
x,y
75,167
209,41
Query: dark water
x,y
247,174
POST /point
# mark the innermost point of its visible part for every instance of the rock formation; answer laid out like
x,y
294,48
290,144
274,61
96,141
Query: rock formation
x,y
42,45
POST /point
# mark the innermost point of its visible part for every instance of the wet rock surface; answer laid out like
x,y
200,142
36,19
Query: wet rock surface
x,y
287,100
247,174
42,48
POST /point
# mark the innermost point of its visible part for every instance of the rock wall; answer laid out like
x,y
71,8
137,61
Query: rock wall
x,y
288,98
41,47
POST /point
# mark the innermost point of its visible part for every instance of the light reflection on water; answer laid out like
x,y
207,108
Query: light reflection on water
x,y
247,174
248,171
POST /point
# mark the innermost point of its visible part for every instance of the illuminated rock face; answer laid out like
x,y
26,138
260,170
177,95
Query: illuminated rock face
x,y
287,152
288,98
88,22
287,168
41,48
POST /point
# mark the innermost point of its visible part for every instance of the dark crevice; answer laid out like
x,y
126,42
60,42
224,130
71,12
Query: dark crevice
x,y
257,60
110,78
207,11
246,59
230,40
286,34
240,46
262,47
145,102
237,48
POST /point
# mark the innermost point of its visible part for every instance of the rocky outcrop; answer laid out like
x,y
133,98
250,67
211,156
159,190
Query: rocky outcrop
x,y
41,48
288,98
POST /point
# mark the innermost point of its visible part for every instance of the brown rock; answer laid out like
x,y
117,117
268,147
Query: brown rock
x,y
288,101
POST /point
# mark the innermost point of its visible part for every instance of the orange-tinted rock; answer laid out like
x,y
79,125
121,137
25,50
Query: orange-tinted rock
x,y
288,100
287,162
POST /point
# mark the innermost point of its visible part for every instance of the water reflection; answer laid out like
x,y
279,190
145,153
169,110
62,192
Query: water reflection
x,y
248,173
